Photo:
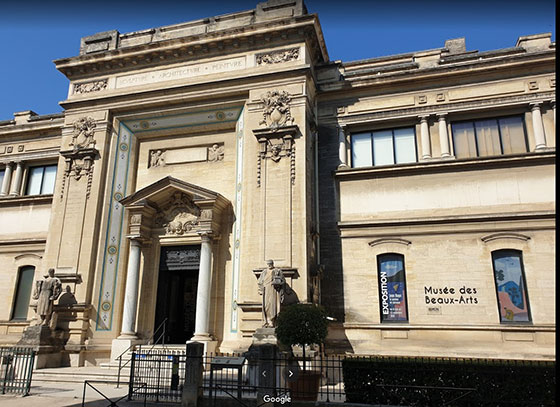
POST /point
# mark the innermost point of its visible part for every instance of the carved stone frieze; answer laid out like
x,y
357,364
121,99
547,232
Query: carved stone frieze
x,y
164,157
87,87
179,216
276,111
275,57
82,136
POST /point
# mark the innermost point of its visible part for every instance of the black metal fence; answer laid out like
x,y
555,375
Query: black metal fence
x,y
281,377
159,376
16,369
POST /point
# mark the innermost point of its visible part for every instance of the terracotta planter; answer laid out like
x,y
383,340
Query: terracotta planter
x,y
306,387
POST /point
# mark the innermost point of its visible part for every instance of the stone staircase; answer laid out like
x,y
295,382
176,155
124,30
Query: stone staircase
x,y
107,371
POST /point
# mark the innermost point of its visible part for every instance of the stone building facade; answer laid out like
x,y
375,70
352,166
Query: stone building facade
x,y
412,195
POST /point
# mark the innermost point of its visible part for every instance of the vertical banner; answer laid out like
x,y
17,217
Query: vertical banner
x,y
237,224
392,288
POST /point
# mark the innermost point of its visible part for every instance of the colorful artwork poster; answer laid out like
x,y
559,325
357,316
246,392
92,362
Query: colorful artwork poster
x,y
510,284
392,288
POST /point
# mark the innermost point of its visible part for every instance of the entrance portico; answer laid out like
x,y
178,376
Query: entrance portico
x,y
170,212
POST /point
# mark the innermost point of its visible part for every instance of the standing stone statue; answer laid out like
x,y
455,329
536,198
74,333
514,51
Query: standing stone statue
x,y
46,292
271,283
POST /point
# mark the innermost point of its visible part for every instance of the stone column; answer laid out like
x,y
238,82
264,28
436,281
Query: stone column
x,y
443,138
7,180
538,129
553,105
425,138
342,148
204,291
16,185
131,290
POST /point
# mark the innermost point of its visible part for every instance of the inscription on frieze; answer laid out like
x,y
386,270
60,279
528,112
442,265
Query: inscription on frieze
x,y
182,72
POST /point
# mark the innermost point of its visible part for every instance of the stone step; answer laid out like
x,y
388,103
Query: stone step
x,y
78,375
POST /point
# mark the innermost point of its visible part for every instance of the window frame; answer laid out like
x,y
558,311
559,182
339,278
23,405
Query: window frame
x,y
28,175
497,118
17,292
520,254
379,257
392,130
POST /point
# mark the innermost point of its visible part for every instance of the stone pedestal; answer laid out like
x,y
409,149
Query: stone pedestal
x,y
265,336
48,347
121,344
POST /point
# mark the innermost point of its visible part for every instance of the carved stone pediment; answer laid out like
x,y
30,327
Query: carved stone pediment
x,y
178,209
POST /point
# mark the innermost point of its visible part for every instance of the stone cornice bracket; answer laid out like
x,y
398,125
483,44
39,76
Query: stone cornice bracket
x,y
79,163
276,143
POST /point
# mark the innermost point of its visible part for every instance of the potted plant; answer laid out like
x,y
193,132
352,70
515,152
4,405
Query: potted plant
x,y
303,324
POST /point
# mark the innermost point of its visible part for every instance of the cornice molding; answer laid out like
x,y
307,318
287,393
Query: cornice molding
x,y
452,107
189,49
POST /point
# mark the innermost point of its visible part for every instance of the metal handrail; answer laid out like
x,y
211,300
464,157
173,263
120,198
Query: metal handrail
x,y
121,366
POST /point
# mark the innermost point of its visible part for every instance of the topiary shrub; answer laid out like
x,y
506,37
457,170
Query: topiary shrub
x,y
302,324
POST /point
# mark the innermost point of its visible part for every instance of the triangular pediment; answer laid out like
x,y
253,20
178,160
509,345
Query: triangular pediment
x,y
163,191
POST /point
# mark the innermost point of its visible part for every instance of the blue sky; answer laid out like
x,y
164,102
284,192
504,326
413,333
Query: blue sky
x,y
33,33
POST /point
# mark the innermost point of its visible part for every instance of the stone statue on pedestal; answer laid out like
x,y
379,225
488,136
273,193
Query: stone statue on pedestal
x,y
271,284
46,292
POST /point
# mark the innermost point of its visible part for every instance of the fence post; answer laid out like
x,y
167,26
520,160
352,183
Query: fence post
x,y
131,381
192,390
266,372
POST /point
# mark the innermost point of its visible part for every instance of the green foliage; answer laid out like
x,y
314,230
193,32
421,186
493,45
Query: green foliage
x,y
438,381
302,324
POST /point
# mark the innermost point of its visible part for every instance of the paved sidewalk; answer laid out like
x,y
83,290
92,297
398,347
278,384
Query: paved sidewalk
x,y
70,395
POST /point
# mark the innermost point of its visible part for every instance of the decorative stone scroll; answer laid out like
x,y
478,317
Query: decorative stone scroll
x,y
276,111
87,87
275,57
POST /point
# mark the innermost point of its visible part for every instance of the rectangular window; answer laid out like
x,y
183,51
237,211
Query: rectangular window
x,y
510,286
383,147
488,137
392,288
23,292
40,180
2,177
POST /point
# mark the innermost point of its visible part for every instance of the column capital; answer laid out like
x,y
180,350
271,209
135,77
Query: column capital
x,y
206,236
535,105
423,117
553,103
442,115
135,240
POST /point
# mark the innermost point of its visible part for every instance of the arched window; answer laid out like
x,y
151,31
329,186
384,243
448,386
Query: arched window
x,y
511,288
23,292
392,288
